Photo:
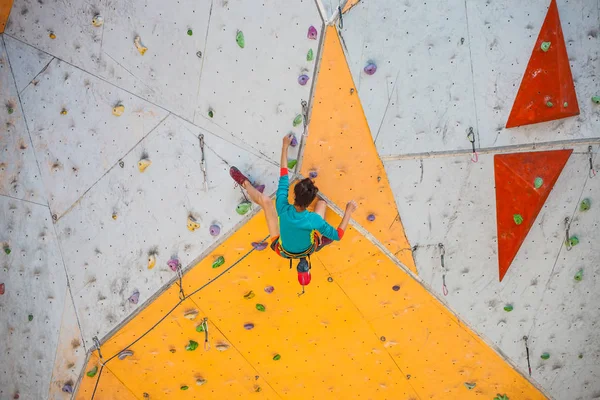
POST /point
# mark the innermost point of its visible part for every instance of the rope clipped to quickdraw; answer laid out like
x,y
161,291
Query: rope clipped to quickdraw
x,y
202,161
341,20
443,253
568,238
97,345
527,351
592,172
304,105
471,137
205,328
180,276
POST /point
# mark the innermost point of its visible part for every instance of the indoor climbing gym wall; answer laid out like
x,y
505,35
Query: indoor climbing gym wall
x,y
133,267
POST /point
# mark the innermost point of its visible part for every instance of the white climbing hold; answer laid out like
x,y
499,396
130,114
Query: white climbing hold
x,y
222,347
138,44
143,164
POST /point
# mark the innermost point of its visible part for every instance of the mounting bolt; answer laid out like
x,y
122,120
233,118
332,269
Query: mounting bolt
x,y
199,54
121,164
54,217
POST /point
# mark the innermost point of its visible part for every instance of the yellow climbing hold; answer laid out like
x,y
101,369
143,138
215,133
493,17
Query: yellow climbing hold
x,y
63,111
51,35
143,164
138,45
191,314
192,224
249,295
200,381
151,261
97,21
115,216
118,110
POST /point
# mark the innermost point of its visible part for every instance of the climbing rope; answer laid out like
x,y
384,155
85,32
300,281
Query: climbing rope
x,y
205,320
567,241
341,20
527,351
180,275
202,160
443,253
592,172
471,137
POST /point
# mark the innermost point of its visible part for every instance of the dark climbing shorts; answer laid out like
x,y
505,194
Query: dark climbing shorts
x,y
276,247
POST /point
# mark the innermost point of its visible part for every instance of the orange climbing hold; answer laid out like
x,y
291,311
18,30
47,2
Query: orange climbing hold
x,y
547,91
523,183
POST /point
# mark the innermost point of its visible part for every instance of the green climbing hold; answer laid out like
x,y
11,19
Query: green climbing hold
x,y
92,372
184,387
297,120
189,32
545,356
501,397
538,182
218,262
239,38
579,275
596,99
10,110
243,207
310,55
518,219
7,250
565,104
276,357
260,307
572,241
200,328
545,46
508,308
292,163
470,385
30,317
549,104
191,346
211,113
585,205
580,355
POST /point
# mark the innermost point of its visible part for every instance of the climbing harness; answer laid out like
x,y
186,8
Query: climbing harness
x,y
568,239
592,172
202,160
304,265
527,351
471,137
443,253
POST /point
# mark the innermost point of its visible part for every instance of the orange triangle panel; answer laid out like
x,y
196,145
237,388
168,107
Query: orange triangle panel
x,y
523,183
547,91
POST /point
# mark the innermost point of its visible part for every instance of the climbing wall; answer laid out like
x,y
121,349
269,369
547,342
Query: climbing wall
x,y
460,69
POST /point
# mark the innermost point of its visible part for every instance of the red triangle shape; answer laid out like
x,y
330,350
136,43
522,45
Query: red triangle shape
x,y
516,194
547,91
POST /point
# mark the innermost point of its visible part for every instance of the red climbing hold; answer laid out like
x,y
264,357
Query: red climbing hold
x,y
547,91
516,193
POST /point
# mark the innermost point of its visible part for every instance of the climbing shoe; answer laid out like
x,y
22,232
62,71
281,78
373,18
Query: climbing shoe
x,y
237,176
303,269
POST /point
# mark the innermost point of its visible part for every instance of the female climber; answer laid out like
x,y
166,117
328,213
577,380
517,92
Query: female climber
x,y
295,232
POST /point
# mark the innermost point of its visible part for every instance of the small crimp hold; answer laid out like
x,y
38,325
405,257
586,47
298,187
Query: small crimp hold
x,y
135,297
538,182
249,295
248,326
118,110
585,205
218,262
97,21
545,46
124,354
138,45
143,164
261,307
92,372
192,224
508,308
151,261
190,314
259,246
239,38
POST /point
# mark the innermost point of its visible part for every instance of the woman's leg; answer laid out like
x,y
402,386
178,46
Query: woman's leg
x,y
267,205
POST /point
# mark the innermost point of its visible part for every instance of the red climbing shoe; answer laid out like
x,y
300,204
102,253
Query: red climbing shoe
x,y
237,176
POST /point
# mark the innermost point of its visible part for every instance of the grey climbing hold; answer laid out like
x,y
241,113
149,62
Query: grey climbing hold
x,y
579,275
585,205
199,54
538,182
67,388
214,230
395,288
370,68
303,79
371,217
135,297
269,289
124,354
259,246
243,207
545,356
545,46
312,33
470,385
310,55
312,174
239,38
248,326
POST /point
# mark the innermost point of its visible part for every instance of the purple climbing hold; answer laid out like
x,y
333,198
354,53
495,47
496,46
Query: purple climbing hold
x,y
260,188
269,289
215,230
135,297
371,217
67,388
395,288
312,33
294,142
173,263
248,326
312,174
259,246
303,79
370,69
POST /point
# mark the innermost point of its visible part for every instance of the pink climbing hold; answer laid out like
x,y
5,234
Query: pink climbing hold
x,y
269,289
303,79
294,142
214,230
174,264
259,246
371,217
312,174
135,297
370,69
312,33
2,288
